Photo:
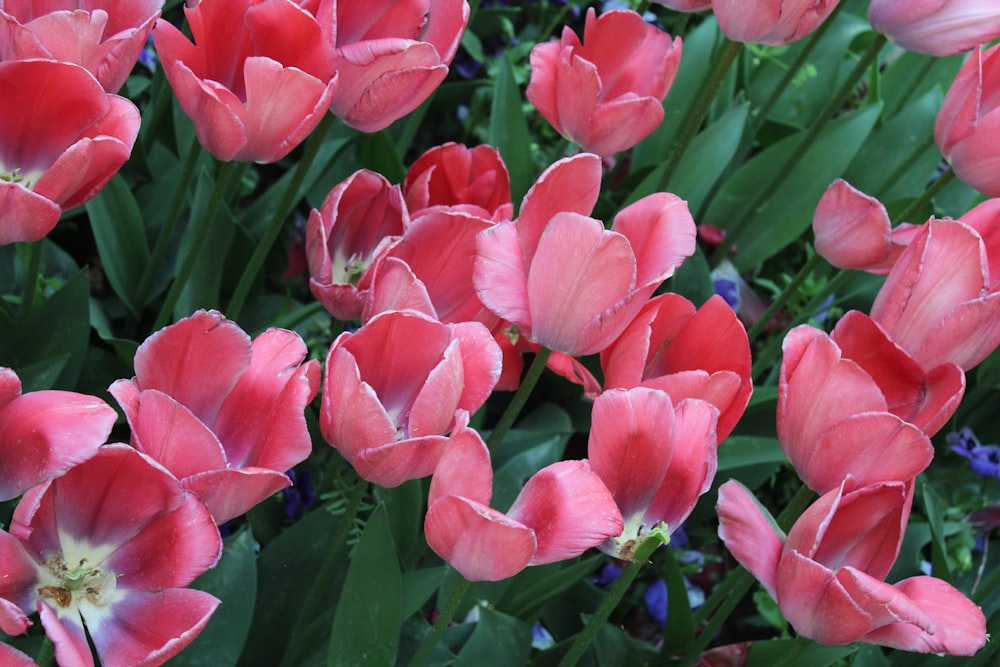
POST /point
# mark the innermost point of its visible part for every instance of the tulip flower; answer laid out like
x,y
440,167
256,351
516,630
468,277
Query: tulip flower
x,y
537,272
941,301
936,27
45,433
391,56
855,403
392,389
473,179
828,574
110,545
342,236
429,269
258,78
967,129
63,139
655,458
563,510
605,93
105,37
774,22
853,230
222,413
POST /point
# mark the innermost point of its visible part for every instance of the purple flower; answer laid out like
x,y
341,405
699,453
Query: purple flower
x,y
983,459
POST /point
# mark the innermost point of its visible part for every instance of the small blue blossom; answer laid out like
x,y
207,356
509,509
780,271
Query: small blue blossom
x,y
728,290
299,496
541,638
983,459
607,575
147,58
656,601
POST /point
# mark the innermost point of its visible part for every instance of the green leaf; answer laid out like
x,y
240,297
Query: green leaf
x,y
534,586
234,581
510,478
498,639
739,451
509,130
784,217
933,505
795,652
417,588
679,631
693,279
366,626
121,240
405,506
378,153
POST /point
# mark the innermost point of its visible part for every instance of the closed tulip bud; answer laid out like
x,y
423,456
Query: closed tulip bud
x,y
936,27
774,22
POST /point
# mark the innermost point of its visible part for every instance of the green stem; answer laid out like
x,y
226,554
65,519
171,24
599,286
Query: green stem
x,y
760,114
423,654
173,215
320,590
936,187
699,111
520,398
835,104
263,247
783,298
31,276
203,229
614,596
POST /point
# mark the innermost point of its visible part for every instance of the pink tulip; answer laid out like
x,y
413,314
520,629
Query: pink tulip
x,y
936,27
853,230
656,458
391,56
539,272
105,37
774,22
45,433
941,302
257,79
854,403
63,138
474,179
429,269
828,574
967,129
222,413
110,545
342,236
562,511
392,389
605,93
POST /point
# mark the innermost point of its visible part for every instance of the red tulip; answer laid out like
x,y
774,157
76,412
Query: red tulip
x,y
45,433
828,574
606,92
775,22
392,389
257,79
391,56
941,301
473,179
110,545
562,511
936,27
967,129
538,271
656,458
221,413
63,138
342,236
105,37
854,403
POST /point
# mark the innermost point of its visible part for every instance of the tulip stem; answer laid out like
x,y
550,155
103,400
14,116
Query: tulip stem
x,y
783,298
698,111
166,234
320,590
760,114
423,654
284,207
935,187
906,164
520,398
899,101
617,591
203,228
31,274
728,594
836,103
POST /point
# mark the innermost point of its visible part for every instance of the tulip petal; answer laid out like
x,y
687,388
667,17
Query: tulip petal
x,y
464,468
852,229
167,431
230,492
500,273
750,533
28,216
395,462
17,585
66,632
571,185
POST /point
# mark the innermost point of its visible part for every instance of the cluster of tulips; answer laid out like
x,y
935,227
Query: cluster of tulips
x,y
450,287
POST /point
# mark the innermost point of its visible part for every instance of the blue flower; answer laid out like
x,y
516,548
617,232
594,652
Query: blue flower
x,y
983,459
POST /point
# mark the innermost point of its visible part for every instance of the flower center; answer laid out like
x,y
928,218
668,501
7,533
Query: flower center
x,y
82,581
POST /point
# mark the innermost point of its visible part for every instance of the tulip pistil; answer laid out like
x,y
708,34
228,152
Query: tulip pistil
x,y
83,581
